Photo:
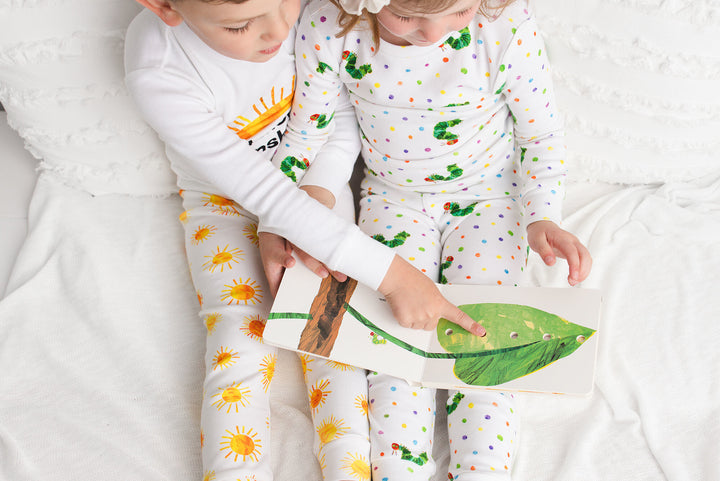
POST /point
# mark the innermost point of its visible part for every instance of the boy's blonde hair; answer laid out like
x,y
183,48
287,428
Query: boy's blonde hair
x,y
348,21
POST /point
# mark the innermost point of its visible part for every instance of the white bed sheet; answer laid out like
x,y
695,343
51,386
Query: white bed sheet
x,y
101,353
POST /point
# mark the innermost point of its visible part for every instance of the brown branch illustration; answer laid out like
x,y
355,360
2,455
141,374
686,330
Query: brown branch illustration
x,y
326,313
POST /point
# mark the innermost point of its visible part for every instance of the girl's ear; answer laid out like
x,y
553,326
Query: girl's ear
x,y
163,9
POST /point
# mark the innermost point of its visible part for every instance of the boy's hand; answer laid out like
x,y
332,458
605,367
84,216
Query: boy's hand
x,y
416,301
276,256
550,241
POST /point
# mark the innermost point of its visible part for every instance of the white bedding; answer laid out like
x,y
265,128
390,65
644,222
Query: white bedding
x,y
100,345
100,350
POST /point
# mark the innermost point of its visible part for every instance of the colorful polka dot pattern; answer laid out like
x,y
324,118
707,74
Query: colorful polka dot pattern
x,y
443,118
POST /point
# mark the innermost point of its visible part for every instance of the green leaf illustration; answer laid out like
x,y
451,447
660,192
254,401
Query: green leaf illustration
x,y
520,340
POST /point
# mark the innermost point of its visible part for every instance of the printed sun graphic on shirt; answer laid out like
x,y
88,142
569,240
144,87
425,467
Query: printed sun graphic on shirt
x,y
267,369
224,358
253,327
222,259
357,466
202,233
318,394
330,429
241,443
209,476
267,111
242,291
232,396
339,366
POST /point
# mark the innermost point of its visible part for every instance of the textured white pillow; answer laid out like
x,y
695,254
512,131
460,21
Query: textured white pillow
x,y
639,84
61,82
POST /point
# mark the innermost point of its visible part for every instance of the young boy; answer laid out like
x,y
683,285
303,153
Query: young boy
x,y
216,80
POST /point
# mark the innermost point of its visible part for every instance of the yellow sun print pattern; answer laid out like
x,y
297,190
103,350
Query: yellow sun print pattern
x,y
246,128
253,327
212,320
361,402
357,466
234,395
250,231
224,358
222,258
241,443
331,428
267,368
319,393
202,233
246,292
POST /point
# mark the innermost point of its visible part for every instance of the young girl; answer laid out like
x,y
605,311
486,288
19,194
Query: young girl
x,y
463,147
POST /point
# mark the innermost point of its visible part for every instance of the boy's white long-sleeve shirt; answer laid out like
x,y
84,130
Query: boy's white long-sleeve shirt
x,y
445,118
222,119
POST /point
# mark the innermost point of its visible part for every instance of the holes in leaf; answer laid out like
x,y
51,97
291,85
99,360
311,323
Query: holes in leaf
x,y
514,335
448,332
580,339
547,336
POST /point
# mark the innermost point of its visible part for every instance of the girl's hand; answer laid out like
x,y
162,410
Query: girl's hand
x,y
416,301
550,241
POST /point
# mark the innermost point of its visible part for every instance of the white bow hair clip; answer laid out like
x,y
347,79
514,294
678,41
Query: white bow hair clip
x,y
356,7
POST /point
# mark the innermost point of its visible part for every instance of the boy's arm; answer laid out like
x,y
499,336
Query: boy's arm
x,y
174,106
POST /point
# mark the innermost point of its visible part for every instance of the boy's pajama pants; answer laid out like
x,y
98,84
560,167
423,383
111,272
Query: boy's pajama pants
x,y
222,250
466,240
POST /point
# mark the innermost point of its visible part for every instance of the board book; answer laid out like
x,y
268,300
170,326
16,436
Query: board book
x,y
538,339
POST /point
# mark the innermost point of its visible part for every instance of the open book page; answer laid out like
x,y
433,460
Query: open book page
x,y
538,339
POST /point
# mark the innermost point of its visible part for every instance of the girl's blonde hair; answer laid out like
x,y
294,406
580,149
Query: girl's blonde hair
x,y
348,21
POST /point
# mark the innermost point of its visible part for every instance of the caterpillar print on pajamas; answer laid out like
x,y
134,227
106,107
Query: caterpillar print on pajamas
x,y
398,240
323,67
458,43
406,454
322,120
455,402
356,73
454,171
440,131
377,339
448,262
289,162
453,208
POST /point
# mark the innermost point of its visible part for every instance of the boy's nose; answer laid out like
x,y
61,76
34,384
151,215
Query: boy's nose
x,y
277,28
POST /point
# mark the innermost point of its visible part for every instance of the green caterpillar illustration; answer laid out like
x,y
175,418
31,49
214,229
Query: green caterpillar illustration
x,y
440,131
356,73
454,209
406,454
398,240
455,402
322,119
377,339
322,67
454,171
289,162
458,43
448,262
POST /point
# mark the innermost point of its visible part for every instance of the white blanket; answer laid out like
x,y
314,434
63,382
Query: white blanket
x,y
101,350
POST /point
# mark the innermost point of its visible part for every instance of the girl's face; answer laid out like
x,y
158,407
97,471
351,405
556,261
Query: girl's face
x,y
401,26
252,31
